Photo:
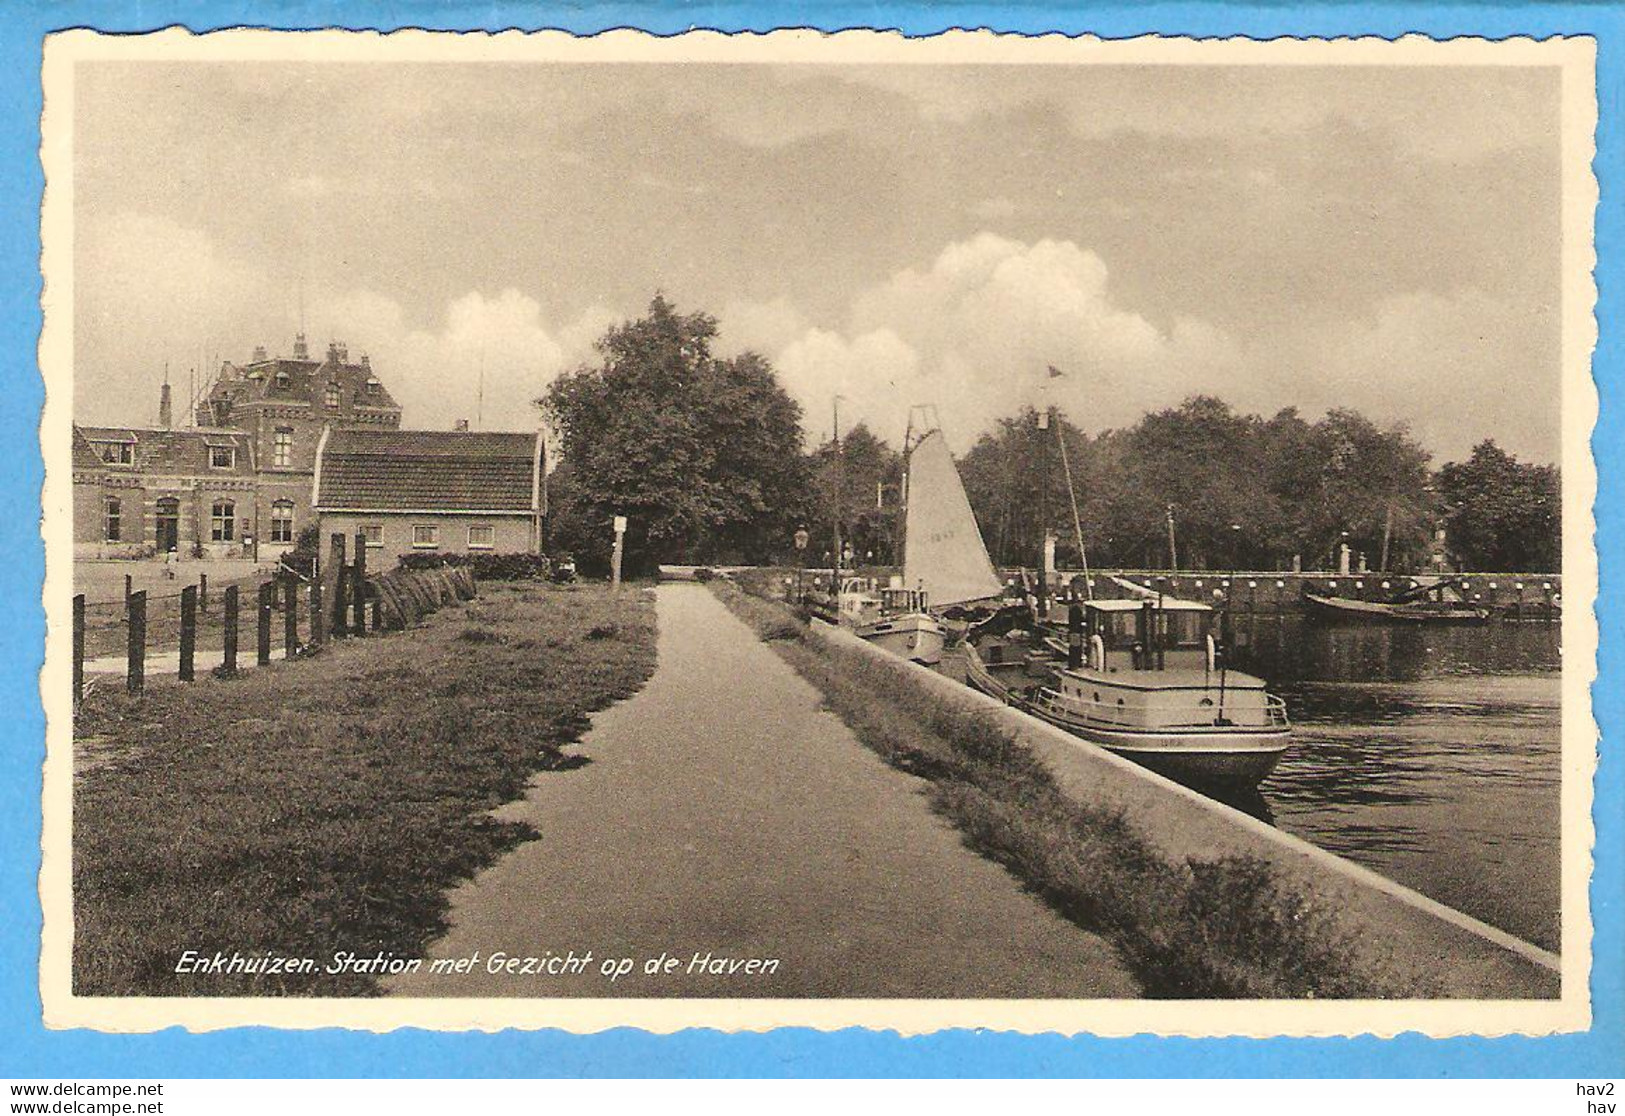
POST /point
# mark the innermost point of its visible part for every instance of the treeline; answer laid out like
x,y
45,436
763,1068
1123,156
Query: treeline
x,y
1215,489
706,458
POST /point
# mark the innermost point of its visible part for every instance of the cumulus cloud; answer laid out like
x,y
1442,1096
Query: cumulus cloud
x,y
152,292
487,361
1440,363
973,331
874,372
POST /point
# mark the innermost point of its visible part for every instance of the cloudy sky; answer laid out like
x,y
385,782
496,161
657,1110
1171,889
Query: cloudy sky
x,y
1379,238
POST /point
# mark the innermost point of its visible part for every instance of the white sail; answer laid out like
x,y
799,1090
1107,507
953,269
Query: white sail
x,y
942,546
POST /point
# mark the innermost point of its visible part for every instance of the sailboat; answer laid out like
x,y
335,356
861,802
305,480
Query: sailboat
x,y
945,562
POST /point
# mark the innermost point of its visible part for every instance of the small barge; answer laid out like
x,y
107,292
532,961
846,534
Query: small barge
x,y
1143,679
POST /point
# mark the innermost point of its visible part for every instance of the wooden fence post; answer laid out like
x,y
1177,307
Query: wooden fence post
x,y
318,618
203,592
335,572
360,582
188,631
229,666
267,598
136,612
290,619
129,586
78,648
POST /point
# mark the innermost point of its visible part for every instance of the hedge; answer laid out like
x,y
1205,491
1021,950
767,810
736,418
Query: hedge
x,y
486,567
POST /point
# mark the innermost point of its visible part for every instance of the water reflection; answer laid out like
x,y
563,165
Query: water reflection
x,y
1429,754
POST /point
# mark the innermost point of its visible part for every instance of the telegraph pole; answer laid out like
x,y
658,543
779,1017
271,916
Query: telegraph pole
x,y
835,431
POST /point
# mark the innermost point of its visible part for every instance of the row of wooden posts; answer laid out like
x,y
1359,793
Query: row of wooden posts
x,y
342,583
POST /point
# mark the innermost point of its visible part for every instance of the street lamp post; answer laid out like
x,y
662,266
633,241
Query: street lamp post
x,y
801,538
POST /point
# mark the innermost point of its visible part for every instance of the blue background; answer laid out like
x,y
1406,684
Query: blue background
x,y
28,1051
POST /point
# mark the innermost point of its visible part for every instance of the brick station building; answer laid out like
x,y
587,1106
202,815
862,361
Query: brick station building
x,y
237,483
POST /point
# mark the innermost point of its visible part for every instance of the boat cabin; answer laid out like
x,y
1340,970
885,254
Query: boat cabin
x,y
857,601
1154,666
894,599
1130,635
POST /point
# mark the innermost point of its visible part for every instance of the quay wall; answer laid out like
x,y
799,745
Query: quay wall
x,y
1442,952
1537,595
1531,596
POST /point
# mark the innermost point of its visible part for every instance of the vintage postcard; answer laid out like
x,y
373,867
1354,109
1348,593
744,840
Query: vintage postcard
x,y
1030,533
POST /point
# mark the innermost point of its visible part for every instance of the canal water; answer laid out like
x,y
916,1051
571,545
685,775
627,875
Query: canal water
x,y
1430,754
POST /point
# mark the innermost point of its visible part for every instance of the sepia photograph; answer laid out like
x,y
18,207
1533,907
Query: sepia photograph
x,y
818,530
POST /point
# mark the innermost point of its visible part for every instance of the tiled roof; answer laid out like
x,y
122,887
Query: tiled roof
x,y
84,455
175,451
424,470
284,381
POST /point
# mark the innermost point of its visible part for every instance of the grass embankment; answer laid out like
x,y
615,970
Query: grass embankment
x,y
1221,928
328,804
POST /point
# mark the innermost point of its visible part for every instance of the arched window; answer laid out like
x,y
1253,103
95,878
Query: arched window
x,y
282,521
331,396
115,519
223,521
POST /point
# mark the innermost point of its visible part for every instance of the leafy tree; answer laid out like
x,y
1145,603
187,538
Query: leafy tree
x,y
1246,492
702,455
1004,474
1501,514
866,474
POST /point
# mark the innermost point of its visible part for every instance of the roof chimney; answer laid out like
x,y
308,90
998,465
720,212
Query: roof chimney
x,y
301,351
259,353
165,418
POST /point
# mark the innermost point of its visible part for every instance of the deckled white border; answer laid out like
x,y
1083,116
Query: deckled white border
x,y
1577,58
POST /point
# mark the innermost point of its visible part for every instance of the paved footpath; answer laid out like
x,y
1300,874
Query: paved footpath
x,y
724,812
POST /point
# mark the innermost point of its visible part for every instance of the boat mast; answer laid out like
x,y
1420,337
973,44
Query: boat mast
x,y
1077,523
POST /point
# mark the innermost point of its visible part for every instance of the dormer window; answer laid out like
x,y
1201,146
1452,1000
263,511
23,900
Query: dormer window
x,y
222,457
330,397
373,386
116,453
282,378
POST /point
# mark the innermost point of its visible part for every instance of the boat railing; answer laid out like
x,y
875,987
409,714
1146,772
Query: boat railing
x,y
1163,714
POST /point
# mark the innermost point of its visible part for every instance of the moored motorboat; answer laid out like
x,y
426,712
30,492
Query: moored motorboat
x,y
905,628
892,618
1146,681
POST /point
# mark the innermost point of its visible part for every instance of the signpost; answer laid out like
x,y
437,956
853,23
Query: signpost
x,y
615,559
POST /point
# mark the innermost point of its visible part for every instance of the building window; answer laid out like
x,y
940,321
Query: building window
x,y
282,447
373,533
115,524
331,396
282,521
482,537
222,457
223,521
425,535
117,453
